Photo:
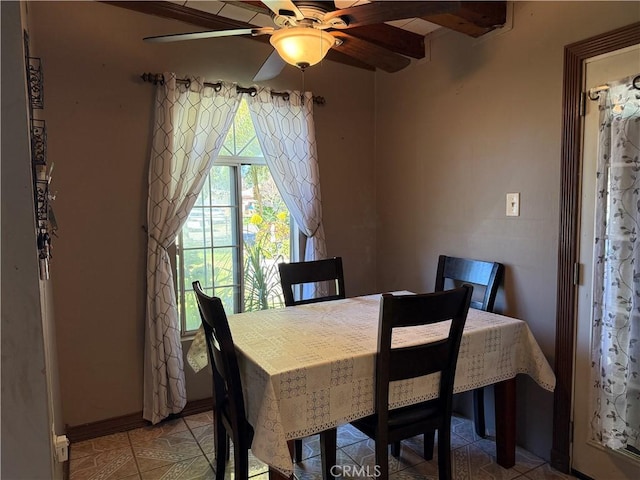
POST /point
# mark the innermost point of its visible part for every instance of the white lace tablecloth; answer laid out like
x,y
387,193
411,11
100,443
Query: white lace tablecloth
x,y
311,367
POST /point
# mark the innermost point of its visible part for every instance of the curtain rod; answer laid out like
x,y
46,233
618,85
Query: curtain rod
x,y
594,93
158,78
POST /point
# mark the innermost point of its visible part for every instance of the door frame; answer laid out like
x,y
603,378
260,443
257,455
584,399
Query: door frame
x,y
574,56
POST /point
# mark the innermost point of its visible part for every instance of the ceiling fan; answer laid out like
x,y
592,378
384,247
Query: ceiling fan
x,y
306,30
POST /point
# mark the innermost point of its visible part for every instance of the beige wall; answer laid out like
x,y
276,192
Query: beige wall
x,y
454,135
99,116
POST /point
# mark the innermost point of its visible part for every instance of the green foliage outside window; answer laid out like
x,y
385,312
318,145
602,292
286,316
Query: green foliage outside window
x,y
267,242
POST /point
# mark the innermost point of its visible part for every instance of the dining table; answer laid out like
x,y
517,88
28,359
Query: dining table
x,y
309,368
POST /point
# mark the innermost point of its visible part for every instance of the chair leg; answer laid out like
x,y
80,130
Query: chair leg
x,y
217,425
429,441
297,450
241,461
395,449
221,441
444,453
478,412
382,457
328,446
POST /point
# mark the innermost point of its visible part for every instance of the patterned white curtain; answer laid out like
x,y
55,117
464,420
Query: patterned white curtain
x,y
191,122
616,320
286,133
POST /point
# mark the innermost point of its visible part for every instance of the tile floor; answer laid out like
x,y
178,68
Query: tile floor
x,y
182,449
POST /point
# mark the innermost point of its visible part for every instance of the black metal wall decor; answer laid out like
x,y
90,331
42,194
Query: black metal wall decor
x,y
45,220
38,142
35,82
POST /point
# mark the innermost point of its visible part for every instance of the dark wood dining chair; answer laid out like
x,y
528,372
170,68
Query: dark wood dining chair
x,y
406,362
298,273
454,271
294,274
230,420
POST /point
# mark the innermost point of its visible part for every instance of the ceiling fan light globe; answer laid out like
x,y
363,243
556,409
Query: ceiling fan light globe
x,y
302,46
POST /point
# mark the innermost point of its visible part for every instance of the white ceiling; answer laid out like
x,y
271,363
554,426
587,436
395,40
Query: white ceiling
x,y
224,9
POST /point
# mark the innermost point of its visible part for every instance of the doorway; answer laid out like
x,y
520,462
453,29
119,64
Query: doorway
x,y
574,58
588,456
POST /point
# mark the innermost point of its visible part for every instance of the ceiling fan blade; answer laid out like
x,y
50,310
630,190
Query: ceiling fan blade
x,y
369,53
392,38
380,12
473,18
178,37
284,7
271,68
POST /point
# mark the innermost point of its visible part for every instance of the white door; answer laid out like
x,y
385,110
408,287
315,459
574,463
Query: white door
x,y
586,456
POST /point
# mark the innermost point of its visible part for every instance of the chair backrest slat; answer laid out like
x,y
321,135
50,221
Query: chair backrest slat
x,y
476,272
419,360
297,273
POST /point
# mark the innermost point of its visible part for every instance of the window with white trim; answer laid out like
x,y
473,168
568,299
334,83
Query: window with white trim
x,y
237,232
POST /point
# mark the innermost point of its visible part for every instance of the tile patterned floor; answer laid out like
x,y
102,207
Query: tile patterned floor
x,y
182,449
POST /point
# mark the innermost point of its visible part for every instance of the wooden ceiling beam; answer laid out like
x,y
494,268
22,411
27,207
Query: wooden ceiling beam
x,y
369,53
392,38
254,6
386,11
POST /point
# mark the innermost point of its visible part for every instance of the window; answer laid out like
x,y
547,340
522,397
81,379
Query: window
x,y
237,232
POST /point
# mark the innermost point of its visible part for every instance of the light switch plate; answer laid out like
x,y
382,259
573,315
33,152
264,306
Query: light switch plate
x,y
513,204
